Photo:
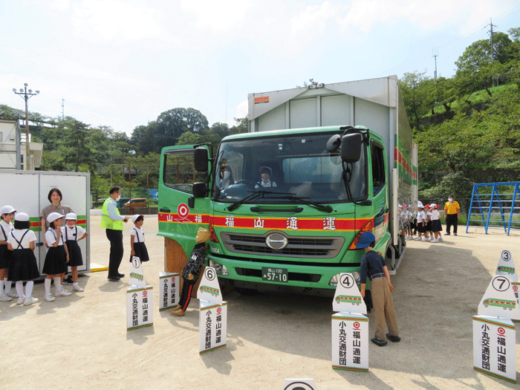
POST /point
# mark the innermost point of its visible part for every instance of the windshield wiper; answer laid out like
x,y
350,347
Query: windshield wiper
x,y
254,195
316,205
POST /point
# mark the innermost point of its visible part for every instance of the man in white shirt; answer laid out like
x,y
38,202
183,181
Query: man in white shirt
x,y
266,173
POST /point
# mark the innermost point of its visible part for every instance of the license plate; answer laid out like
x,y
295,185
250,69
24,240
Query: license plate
x,y
275,274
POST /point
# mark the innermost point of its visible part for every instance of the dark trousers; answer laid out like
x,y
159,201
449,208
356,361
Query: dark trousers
x,y
187,291
116,251
451,220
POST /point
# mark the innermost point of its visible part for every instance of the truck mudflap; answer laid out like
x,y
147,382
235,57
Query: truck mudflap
x,y
395,254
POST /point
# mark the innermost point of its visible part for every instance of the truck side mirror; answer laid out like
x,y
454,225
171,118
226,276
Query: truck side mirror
x,y
199,190
351,147
201,159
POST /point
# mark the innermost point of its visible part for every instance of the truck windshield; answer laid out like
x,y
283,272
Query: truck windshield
x,y
285,167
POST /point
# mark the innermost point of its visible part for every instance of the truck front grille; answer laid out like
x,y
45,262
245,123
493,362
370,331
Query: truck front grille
x,y
300,247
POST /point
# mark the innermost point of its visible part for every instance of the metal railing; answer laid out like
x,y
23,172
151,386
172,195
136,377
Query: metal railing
x,y
495,205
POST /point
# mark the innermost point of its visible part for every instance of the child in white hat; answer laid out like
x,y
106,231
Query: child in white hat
x,y
56,259
23,264
6,226
137,245
71,234
421,222
436,223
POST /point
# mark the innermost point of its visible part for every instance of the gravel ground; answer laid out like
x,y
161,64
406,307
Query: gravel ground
x,y
81,342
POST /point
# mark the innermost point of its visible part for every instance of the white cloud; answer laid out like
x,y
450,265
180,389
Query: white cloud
x,y
217,15
242,109
60,4
315,18
114,20
427,15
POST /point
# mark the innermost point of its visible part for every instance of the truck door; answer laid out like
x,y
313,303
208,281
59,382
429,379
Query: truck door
x,y
181,215
379,189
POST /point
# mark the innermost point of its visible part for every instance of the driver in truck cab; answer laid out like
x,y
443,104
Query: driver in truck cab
x,y
266,173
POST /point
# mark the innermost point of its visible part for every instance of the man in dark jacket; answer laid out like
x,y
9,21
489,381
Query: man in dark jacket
x,y
191,272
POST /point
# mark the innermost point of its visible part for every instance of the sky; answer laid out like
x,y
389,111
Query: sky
x,y
121,63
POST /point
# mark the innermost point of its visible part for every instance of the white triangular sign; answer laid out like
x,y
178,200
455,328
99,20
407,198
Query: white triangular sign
x,y
499,300
209,288
299,384
348,297
136,277
506,266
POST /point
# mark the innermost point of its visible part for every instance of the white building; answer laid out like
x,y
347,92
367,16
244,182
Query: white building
x,y
9,145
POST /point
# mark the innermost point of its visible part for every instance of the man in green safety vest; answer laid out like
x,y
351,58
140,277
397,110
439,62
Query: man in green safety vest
x,y
112,221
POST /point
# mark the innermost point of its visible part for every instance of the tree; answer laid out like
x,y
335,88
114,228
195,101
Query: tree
x,y
221,129
475,67
416,96
241,126
514,34
77,147
167,129
189,138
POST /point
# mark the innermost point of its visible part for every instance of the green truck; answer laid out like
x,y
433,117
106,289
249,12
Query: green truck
x,y
287,201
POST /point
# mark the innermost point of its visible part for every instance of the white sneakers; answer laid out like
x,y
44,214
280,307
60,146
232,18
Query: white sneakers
x,y
440,238
12,294
435,240
425,239
49,297
20,300
77,288
63,293
5,298
417,238
30,301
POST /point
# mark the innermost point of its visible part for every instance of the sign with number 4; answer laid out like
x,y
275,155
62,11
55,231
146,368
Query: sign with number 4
x,y
348,297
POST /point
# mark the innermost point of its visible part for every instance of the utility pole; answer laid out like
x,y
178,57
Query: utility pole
x,y
435,54
62,109
491,32
26,94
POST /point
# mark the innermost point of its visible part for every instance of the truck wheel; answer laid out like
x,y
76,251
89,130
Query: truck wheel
x,y
246,291
486,305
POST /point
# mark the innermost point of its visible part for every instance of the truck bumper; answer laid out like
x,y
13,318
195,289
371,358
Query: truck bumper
x,y
301,278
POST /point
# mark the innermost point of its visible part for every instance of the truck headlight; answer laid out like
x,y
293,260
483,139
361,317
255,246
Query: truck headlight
x,y
220,269
335,279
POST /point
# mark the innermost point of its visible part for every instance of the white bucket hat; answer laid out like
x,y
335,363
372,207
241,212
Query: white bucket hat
x,y
71,216
134,218
53,217
21,217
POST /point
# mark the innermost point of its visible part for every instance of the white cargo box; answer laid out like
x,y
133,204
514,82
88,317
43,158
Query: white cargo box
x,y
27,192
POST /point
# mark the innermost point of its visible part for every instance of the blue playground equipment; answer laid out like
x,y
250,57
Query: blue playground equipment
x,y
496,205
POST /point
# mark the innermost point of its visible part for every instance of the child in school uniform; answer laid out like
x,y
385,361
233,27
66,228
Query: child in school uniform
x,y
421,222
428,212
72,234
137,245
436,223
373,267
6,226
56,259
407,215
23,264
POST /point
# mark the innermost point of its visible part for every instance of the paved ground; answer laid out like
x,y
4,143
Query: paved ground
x,y
81,342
